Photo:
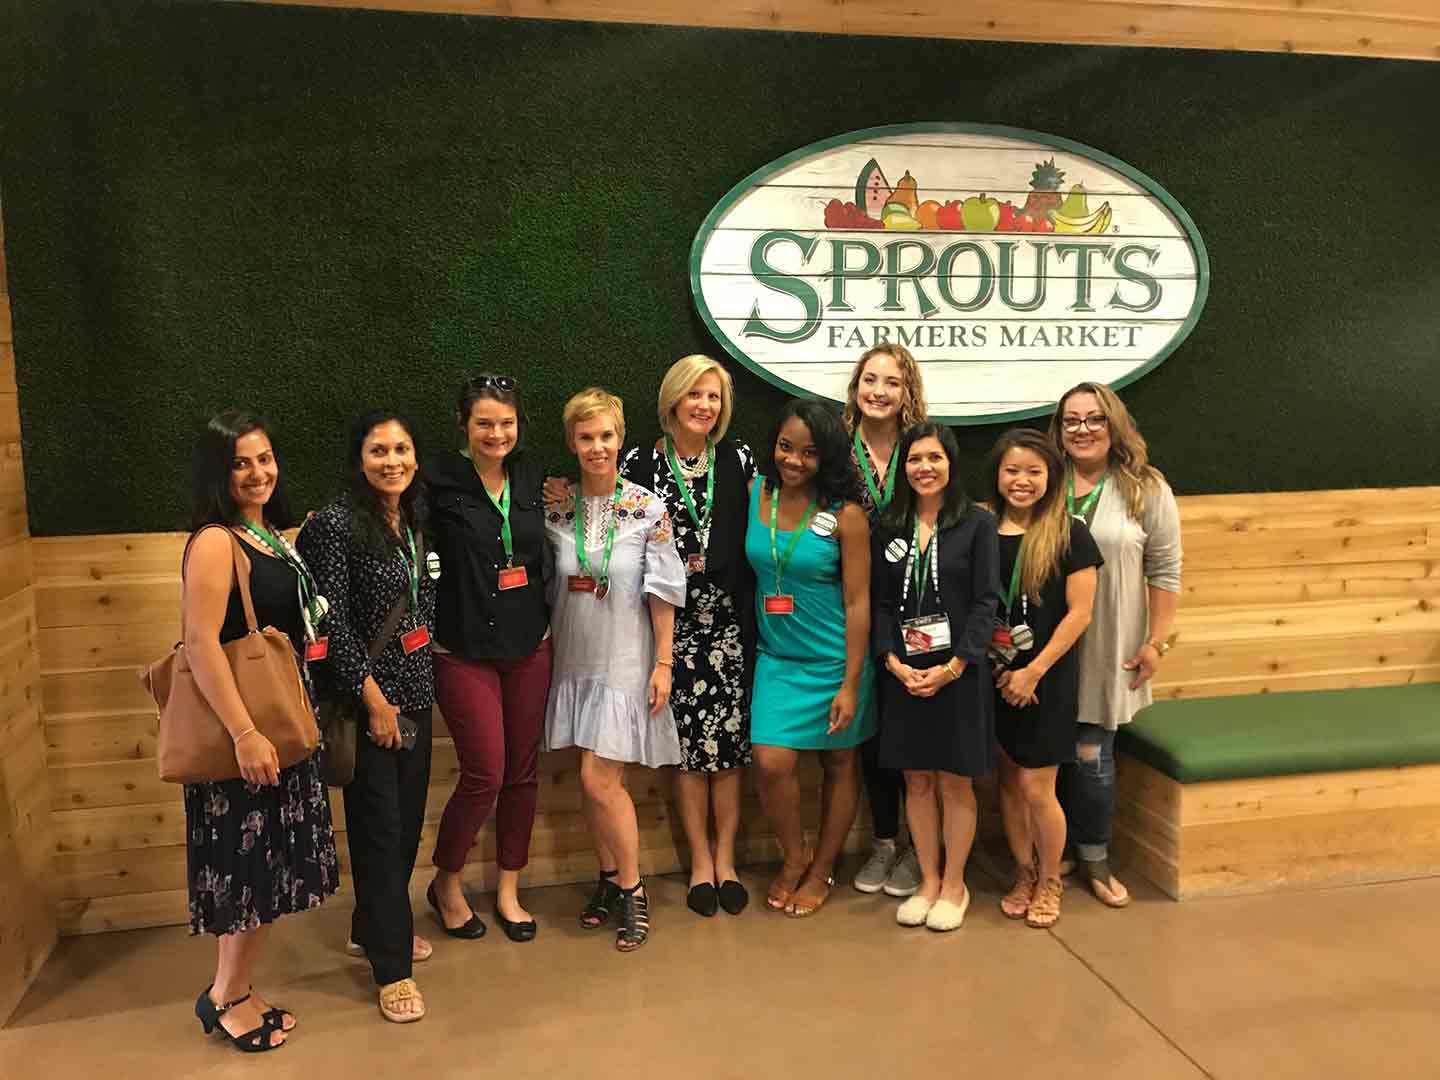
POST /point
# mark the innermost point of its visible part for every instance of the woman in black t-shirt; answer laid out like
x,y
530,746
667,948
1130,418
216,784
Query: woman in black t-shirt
x,y
1048,572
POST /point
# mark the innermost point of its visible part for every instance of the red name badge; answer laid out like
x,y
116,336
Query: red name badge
x,y
317,649
513,577
580,583
695,564
780,604
415,639
1001,636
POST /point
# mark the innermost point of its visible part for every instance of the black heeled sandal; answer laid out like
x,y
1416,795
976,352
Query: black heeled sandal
x,y
255,1041
597,912
634,919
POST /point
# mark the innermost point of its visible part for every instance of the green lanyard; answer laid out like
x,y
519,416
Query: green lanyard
x,y
1089,502
866,470
703,524
920,564
1009,595
603,577
502,505
782,562
413,565
309,589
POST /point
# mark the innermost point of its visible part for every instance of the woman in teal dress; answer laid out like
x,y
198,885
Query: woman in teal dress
x,y
808,541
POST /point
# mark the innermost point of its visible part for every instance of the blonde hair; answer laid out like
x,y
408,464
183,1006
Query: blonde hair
x,y
1129,457
913,409
586,404
681,379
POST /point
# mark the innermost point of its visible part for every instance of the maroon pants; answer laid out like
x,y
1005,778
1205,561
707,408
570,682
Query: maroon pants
x,y
495,710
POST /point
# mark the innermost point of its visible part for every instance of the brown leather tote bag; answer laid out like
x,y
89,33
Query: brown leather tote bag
x,y
194,746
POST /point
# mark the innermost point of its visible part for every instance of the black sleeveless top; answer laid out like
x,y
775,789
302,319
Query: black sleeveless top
x,y
274,586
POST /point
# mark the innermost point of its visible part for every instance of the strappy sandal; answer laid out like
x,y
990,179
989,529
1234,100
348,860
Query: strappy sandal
x,y
1017,901
1045,907
392,995
634,918
255,1041
797,910
779,895
602,903
275,1017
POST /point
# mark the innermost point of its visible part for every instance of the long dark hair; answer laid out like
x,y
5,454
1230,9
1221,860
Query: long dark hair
x,y
1047,538
211,463
367,508
956,503
836,479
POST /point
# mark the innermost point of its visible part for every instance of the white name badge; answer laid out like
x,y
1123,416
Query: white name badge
x,y
927,634
432,565
896,550
824,524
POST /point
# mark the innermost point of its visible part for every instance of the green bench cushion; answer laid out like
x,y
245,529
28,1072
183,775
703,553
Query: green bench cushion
x,y
1310,731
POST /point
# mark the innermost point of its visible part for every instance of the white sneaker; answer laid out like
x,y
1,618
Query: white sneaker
x,y
872,876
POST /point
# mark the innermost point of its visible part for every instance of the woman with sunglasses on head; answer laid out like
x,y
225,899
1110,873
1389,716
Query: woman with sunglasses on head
x,y
934,590
619,581
492,646
885,398
1048,569
368,550
809,544
259,846
1131,512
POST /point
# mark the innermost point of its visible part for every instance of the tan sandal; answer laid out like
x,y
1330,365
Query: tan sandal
x,y
1105,885
798,910
778,896
394,995
1045,906
1017,901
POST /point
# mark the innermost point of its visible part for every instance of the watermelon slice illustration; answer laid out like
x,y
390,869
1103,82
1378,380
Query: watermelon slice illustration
x,y
872,190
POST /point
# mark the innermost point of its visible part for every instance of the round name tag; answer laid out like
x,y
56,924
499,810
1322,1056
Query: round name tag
x,y
1022,637
897,549
824,524
432,565
319,608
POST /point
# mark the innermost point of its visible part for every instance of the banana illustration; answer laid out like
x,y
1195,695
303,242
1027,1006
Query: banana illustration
x,y
1096,222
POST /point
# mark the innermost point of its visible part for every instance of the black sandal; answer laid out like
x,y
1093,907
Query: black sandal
x,y
597,912
634,918
255,1041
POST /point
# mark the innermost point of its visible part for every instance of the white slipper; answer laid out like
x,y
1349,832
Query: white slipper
x,y
945,916
913,911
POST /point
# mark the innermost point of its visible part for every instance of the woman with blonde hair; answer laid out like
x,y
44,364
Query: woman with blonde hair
x,y
1048,570
1131,512
617,584
885,397
703,477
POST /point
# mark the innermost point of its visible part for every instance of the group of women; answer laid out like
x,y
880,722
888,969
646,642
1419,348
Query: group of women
x,y
694,605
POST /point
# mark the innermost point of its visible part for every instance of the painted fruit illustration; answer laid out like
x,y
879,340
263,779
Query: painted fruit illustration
x,y
905,192
872,190
1075,204
928,214
948,216
1044,197
980,213
897,216
1096,222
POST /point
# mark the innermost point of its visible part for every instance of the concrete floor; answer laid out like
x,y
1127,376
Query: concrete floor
x,y
1328,983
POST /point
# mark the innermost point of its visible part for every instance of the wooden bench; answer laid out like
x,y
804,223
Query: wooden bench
x,y
1285,594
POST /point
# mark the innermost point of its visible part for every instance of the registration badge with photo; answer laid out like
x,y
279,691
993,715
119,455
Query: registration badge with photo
x,y
926,634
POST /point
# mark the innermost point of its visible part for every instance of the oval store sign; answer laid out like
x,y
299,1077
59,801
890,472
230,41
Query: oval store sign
x,y
1013,264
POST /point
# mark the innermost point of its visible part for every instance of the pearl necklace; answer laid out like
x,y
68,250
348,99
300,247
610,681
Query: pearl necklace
x,y
700,466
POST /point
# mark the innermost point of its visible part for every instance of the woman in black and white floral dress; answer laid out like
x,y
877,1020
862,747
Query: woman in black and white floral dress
x,y
704,479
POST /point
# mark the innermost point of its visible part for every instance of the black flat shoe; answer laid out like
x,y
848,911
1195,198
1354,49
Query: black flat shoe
x,y
733,897
473,930
517,931
701,899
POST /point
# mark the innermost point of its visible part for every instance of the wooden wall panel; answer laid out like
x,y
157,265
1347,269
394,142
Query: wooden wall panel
x,y
1392,28
27,917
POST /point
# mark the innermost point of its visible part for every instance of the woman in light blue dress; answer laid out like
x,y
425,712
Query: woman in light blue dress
x,y
618,581
808,541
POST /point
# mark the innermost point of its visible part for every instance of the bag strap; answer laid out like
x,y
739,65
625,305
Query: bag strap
x,y
397,610
242,577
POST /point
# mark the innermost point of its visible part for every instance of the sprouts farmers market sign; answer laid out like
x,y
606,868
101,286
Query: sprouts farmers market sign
x,y
1013,264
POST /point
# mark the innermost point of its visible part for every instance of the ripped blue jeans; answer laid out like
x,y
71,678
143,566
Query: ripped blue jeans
x,y
1087,792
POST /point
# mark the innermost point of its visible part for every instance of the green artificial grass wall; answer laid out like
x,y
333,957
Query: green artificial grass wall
x,y
313,211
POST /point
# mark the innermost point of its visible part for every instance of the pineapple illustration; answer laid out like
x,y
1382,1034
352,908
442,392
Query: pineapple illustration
x,y
1044,198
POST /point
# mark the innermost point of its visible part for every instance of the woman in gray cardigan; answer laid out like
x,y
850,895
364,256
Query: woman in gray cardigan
x,y
1133,517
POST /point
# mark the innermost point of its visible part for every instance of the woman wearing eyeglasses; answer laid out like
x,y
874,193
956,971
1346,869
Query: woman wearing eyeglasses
x,y
1133,518
492,646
